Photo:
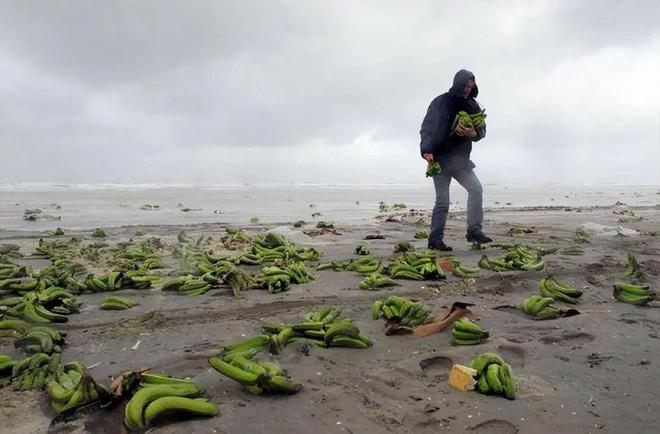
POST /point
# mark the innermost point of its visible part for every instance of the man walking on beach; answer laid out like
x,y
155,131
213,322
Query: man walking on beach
x,y
452,150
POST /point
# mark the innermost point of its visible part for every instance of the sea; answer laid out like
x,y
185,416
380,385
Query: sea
x,y
85,206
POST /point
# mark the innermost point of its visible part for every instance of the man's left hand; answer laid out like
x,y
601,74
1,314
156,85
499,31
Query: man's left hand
x,y
468,132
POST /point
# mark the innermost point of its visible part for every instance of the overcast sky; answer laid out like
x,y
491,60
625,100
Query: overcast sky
x,y
323,91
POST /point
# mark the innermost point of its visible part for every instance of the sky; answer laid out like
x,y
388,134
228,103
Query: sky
x,y
226,92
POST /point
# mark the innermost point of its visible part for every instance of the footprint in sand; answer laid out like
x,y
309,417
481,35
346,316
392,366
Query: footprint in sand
x,y
570,338
515,356
495,426
436,365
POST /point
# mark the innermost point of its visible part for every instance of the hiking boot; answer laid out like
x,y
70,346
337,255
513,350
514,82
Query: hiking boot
x,y
478,237
440,245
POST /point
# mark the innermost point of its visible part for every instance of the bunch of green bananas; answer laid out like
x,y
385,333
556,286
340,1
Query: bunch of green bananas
x,y
365,265
31,310
402,310
48,304
117,303
633,269
463,272
550,287
6,365
72,387
161,394
404,247
40,339
99,233
335,265
32,372
273,247
465,119
362,250
421,235
375,281
186,285
277,279
324,315
13,326
465,332
540,307
416,266
494,375
256,377
249,347
633,294
432,168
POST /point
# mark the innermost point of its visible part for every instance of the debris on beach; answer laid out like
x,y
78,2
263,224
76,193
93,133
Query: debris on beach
x,y
99,233
150,207
37,214
362,250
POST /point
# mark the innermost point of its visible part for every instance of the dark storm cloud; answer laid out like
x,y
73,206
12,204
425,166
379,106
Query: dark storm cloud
x,y
180,84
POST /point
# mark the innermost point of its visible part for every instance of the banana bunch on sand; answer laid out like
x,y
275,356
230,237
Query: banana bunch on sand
x,y
32,372
540,308
117,303
403,311
41,306
494,375
633,294
550,287
71,387
633,268
517,257
465,332
40,339
161,395
415,266
256,377
362,250
277,279
375,281
463,271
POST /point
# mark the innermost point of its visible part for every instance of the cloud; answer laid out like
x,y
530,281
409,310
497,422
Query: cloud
x,y
307,91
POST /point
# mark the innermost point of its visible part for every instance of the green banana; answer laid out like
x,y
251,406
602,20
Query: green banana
x,y
508,381
233,372
480,362
133,413
376,309
492,376
176,404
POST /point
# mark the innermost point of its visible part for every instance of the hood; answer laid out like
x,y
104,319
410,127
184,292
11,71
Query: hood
x,y
460,80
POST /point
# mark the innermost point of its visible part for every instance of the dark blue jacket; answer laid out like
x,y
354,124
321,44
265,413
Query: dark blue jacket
x,y
451,151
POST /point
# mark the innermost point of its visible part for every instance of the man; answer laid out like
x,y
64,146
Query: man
x,y
452,150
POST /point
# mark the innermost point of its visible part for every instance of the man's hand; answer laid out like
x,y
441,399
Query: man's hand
x,y
428,157
468,132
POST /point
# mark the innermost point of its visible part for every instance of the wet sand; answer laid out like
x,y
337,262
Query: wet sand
x,y
591,373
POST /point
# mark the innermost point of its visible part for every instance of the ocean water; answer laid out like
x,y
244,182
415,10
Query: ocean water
x,y
83,206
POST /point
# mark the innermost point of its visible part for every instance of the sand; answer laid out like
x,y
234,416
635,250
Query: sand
x,y
594,372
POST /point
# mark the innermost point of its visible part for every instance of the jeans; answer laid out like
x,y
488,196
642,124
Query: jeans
x,y
468,179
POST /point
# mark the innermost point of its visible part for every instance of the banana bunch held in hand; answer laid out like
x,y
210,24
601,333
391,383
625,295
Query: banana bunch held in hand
x,y
466,120
494,375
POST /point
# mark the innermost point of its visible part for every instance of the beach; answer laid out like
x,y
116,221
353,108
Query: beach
x,y
589,373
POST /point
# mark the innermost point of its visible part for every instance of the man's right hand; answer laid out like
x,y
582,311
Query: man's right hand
x,y
428,157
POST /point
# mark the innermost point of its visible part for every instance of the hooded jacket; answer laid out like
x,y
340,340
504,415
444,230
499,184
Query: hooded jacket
x,y
451,151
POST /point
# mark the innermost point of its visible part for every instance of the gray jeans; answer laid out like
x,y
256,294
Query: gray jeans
x,y
468,179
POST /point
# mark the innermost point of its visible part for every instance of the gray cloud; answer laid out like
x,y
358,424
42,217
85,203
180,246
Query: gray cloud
x,y
206,91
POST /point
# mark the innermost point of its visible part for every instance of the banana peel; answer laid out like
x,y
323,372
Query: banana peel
x,y
444,320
